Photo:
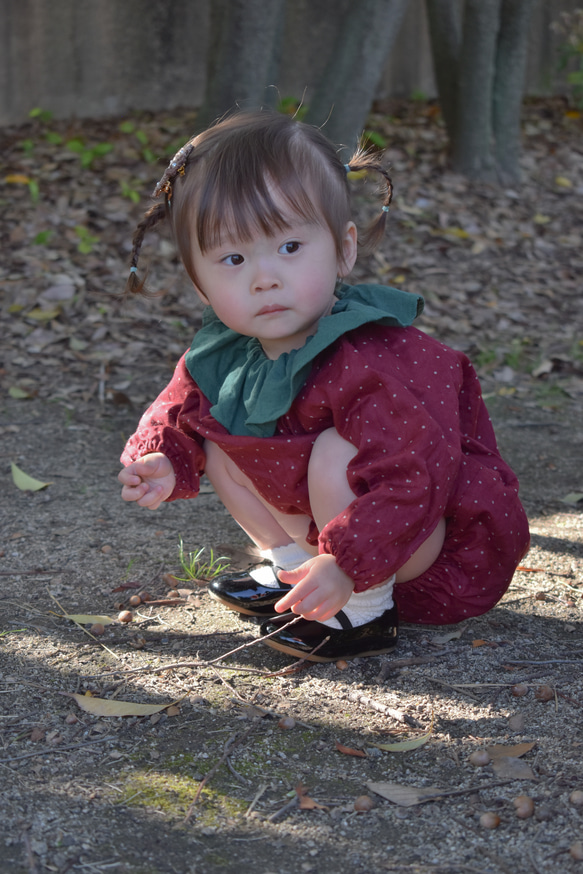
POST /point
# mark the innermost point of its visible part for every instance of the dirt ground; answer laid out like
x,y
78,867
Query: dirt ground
x,y
258,765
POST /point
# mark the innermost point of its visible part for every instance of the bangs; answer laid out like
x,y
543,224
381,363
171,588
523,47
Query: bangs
x,y
237,209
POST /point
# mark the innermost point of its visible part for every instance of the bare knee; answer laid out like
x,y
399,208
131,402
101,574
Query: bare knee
x,y
331,451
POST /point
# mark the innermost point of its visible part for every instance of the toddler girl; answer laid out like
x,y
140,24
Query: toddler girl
x,y
353,449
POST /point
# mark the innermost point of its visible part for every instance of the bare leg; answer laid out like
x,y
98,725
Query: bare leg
x,y
266,526
330,495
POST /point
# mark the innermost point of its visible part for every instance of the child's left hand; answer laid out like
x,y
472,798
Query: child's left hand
x,y
320,589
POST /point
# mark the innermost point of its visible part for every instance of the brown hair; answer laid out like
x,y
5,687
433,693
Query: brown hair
x,y
218,186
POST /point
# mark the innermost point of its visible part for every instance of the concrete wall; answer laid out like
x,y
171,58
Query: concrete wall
x,y
105,57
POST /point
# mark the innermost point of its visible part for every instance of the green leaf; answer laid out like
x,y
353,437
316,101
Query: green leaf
x,y
19,393
24,482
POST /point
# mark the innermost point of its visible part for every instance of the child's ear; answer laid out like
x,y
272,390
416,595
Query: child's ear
x,y
349,249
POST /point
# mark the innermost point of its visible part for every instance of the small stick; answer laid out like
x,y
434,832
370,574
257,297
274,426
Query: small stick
x,y
230,745
257,640
256,798
49,751
285,809
24,573
84,630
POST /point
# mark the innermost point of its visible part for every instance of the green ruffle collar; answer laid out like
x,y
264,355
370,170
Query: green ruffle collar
x,y
248,391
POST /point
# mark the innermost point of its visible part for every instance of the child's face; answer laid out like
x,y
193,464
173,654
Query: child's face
x,y
275,288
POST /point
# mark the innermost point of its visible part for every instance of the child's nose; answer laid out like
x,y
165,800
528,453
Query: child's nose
x,y
265,278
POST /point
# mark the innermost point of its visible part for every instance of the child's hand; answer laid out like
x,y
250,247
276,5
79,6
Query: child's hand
x,y
149,480
320,589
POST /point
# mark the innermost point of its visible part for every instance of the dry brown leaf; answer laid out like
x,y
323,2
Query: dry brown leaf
x,y
106,707
499,751
404,796
348,751
511,768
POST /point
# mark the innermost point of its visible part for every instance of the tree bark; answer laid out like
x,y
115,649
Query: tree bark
x,y
241,56
515,19
472,148
346,89
445,33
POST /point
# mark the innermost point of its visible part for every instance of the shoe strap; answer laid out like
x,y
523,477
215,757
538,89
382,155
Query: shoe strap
x,y
343,619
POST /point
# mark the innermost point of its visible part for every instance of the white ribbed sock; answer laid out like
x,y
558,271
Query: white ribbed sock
x,y
286,557
363,607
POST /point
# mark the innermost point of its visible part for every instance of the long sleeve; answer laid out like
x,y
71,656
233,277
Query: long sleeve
x,y
165,427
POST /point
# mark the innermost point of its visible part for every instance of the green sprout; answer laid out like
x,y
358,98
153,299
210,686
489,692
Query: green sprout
x,y
87,154
195,568
86,240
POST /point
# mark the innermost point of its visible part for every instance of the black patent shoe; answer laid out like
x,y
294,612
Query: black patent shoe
x,y
318,643
253,592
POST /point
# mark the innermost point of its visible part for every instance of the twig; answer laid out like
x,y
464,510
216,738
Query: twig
x,y
257,640
383,708
450,792
256,798
84,630
285,809
52,750
25,573
546,662
30,860
230,745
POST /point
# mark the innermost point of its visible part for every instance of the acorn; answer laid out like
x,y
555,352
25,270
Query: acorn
x,y
576,798
489,820
544,693
134,601
524,806
363,804
97,629
125,616
479,758
519,690
286,722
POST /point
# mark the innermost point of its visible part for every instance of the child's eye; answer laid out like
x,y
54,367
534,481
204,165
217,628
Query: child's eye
x,y
289,248
233,260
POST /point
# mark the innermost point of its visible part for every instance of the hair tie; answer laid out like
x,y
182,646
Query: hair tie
x,y
133,269
385,208
347,168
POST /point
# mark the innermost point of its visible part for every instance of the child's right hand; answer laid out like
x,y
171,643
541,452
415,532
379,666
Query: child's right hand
x,y
149,480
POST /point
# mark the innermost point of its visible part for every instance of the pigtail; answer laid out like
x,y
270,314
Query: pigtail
x,y
134,285
155,214
366,161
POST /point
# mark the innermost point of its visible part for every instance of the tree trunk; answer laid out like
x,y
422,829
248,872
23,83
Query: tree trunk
x,y
241,55
515,18
445,33
347,87
472,148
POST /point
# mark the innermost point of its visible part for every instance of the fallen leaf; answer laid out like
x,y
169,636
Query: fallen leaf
x,y
509,767
24,482
499,751
19,393
479,642
17,179
404,745
445,638
572,498
404,796
305,802
88,618
563,182
348,751
106,707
